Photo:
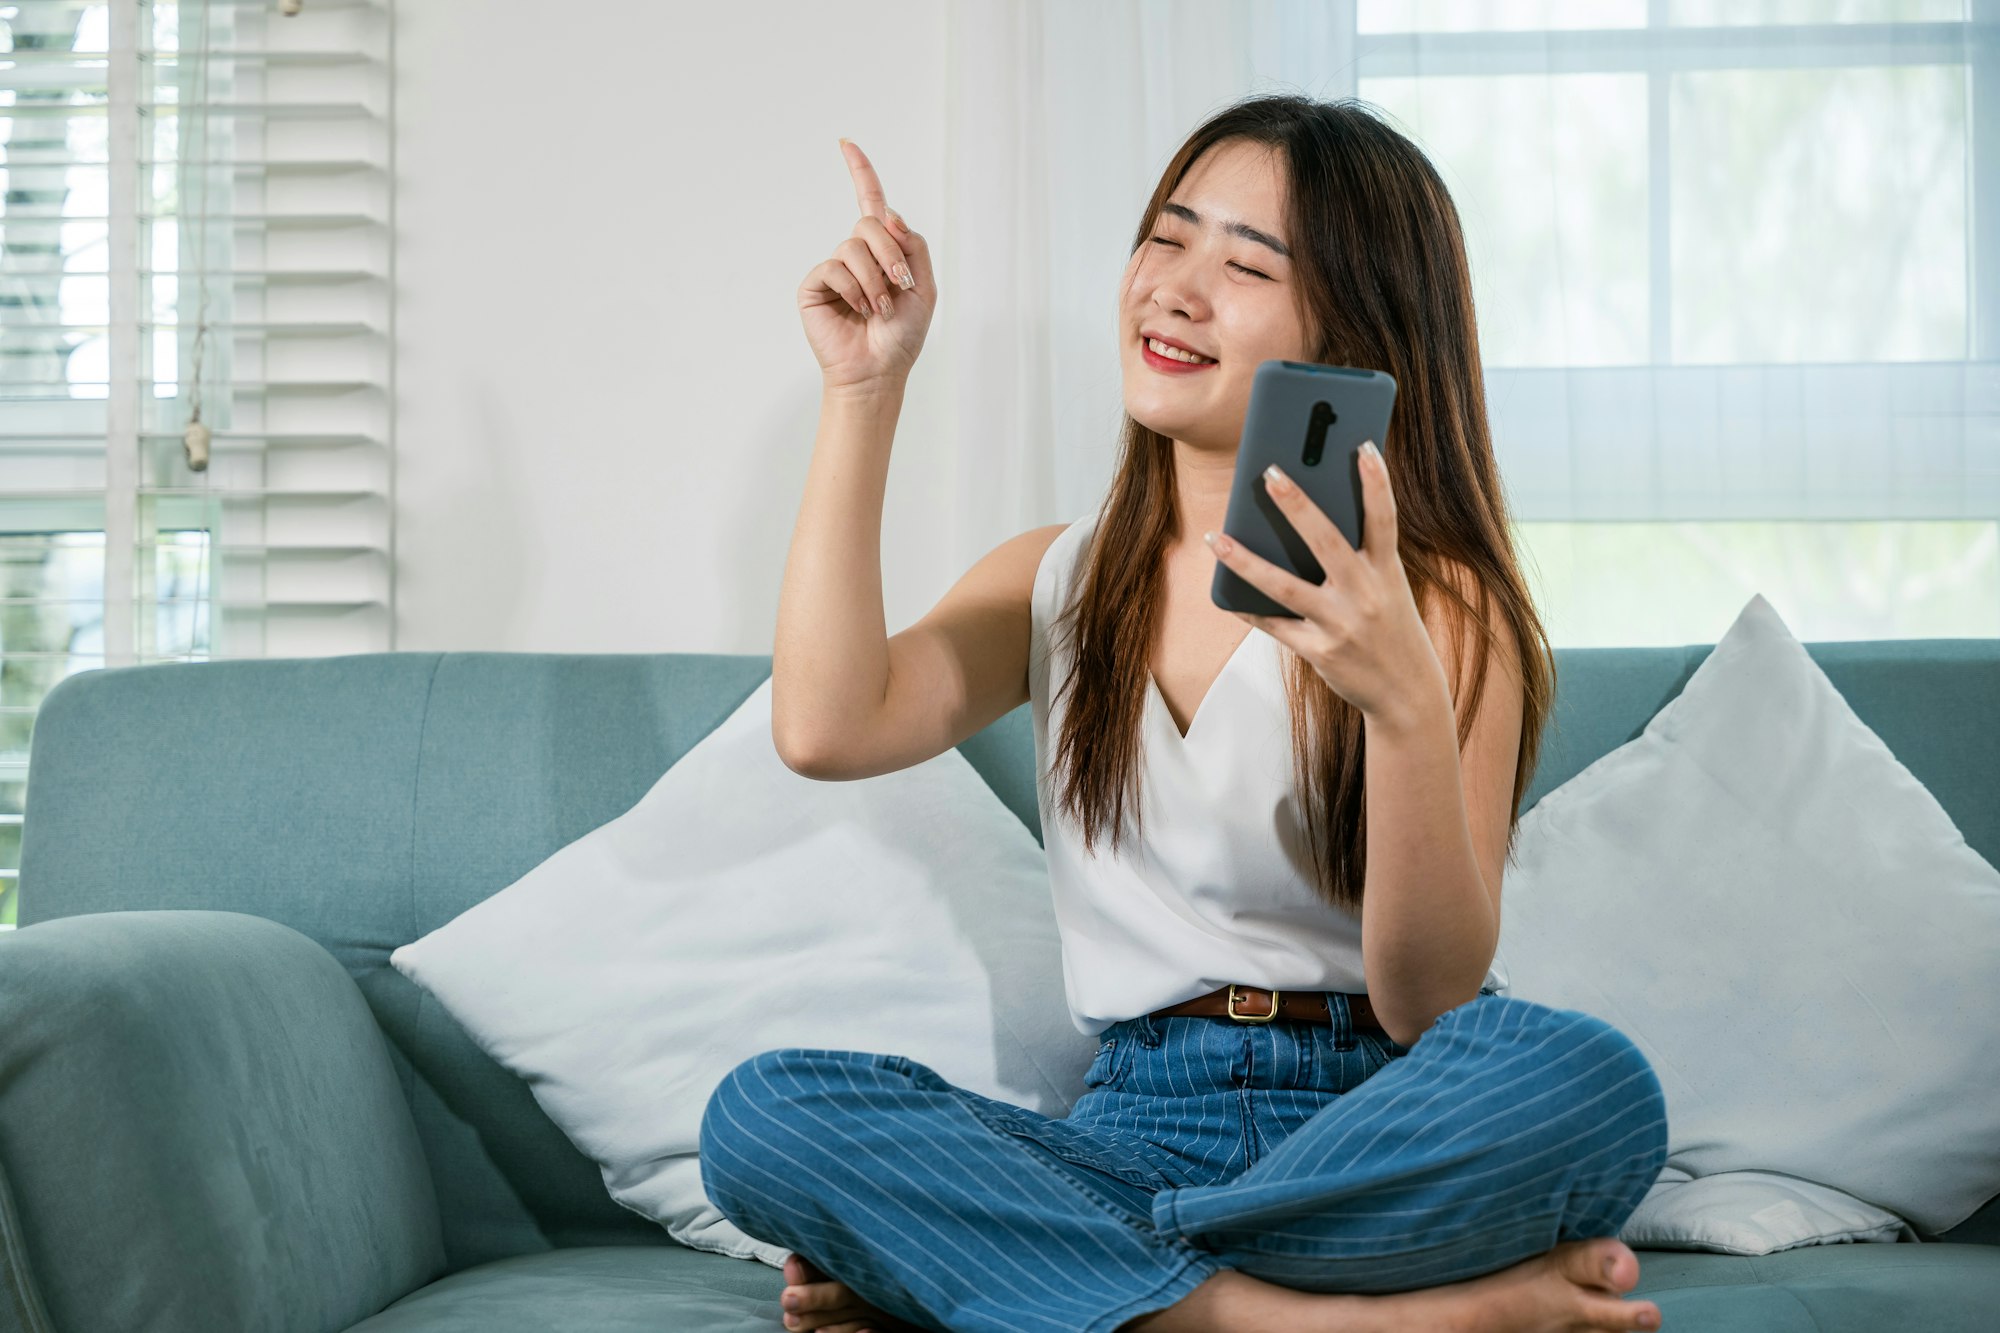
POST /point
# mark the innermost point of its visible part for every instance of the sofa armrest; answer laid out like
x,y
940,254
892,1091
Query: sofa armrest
x,y
200,1131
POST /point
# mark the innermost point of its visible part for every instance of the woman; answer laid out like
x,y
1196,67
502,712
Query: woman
x,y
1312,1143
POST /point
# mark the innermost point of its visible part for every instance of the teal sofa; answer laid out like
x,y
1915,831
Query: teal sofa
x,y
221,1109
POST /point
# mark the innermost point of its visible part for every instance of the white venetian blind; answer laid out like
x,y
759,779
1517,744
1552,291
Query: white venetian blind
x,y
197,210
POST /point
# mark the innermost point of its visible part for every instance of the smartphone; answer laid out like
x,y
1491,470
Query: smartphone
x,y
1310,420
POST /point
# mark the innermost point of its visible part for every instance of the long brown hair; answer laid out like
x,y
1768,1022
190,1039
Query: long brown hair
x,y
1384,284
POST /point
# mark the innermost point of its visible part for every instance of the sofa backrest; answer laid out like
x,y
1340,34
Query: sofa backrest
x,y
367,800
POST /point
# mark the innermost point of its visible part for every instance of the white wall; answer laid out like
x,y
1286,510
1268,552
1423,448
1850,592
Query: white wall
x,y
606,401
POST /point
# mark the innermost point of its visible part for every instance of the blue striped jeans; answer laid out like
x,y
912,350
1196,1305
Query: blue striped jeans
x,y
1311,1155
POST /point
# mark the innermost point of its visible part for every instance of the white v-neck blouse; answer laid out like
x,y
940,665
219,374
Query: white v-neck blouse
x,y
1216,886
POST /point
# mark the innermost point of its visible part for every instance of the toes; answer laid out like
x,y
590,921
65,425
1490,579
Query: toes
x,y
1606,1263
1620,1266
827,1295
821,1298
1609,1314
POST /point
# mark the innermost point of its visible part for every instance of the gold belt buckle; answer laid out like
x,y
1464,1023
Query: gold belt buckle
x,y
1252,1018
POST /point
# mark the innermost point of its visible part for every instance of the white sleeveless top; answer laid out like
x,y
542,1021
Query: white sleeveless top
x,y
1216,885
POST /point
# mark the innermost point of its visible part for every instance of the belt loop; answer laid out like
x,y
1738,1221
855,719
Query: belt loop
x,y
1342,1020
1149,1031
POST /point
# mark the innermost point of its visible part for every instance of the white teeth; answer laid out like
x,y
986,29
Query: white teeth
x,y
1161,349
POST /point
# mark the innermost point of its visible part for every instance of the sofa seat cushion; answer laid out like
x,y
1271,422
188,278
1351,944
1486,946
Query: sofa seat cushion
x,y
1939,1288
601,1288
671,1288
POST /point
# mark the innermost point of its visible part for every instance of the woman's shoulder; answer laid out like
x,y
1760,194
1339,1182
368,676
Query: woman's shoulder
x,y
1062,545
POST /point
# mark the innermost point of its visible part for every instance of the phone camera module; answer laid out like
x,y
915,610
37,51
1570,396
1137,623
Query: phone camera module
x,y
1317,423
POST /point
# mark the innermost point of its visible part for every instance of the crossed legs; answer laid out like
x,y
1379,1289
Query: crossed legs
x,y
1510,1127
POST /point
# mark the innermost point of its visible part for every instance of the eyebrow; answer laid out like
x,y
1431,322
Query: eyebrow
x,y
1243,229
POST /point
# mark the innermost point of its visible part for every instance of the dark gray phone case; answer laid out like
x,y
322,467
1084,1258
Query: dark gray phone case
x,y
1277,429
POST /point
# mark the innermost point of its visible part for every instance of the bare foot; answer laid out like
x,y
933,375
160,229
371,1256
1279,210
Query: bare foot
x,y
830,1305
1560,1291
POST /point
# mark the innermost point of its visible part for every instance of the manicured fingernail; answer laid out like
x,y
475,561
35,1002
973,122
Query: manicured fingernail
x,y
1220,541
1368,447
882,304
1277,480
903,277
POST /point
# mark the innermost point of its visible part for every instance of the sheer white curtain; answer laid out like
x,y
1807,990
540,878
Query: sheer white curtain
x,y
1737,332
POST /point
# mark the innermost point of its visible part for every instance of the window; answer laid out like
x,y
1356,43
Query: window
x,y
1736,329
197,209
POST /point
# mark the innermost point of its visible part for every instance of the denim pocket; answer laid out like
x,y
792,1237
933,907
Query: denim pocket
x,y
1114,1052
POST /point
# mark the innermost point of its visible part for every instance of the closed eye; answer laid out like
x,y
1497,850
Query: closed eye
x,y
1161,240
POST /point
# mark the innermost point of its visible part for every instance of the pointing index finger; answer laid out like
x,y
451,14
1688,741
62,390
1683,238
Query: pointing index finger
x,y
867,185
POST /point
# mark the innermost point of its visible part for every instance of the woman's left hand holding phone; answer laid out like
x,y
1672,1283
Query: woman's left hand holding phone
x,y
1360,629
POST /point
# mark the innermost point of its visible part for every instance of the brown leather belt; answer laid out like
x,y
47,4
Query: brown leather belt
x,y
1249,1004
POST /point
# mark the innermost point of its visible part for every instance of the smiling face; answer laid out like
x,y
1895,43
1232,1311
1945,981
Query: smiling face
x,y
1214,291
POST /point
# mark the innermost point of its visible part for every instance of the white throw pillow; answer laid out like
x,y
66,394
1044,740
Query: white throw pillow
x,y
1753,1212
739,908
1789,926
